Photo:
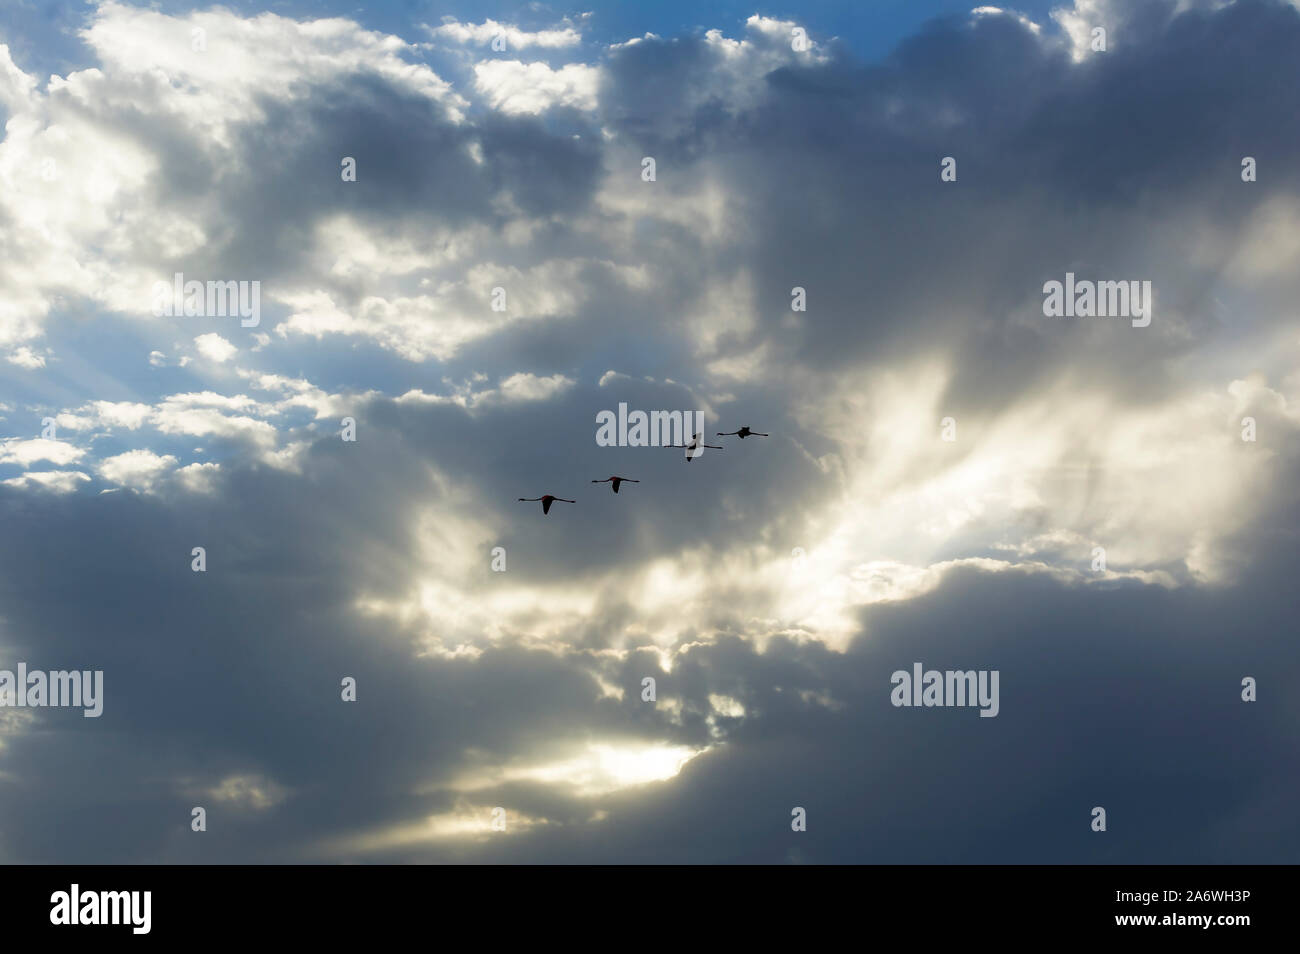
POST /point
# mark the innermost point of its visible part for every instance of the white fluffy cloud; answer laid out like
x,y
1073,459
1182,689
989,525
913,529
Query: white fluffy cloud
x,y
24,452
215,348
55,481
89,216
25,357
514,38
136,469
517,389
519,88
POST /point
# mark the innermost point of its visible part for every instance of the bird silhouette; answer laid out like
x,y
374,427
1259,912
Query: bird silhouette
x,y
547,500
693,449
742,433
616,481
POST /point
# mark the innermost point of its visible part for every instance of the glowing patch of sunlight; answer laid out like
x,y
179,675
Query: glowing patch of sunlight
x,y
457,613
705,209
726,706
466,822
248,791
1038,483
12,723
598,770
1095,472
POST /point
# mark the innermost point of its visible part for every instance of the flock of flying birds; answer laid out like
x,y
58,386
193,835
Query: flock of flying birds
x,y
693,450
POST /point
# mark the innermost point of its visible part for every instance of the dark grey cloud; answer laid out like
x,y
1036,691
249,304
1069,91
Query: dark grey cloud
x,y
1124,696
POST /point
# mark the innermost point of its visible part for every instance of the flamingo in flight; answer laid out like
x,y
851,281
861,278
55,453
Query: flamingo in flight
x,y
742,433
616,481
693,449
547,500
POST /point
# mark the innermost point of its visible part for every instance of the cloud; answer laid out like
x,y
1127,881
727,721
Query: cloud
x,y
770,588
25,357
210,422
56,481
441,326
215,348
94,174
518,88
513,37
530,387
25,452
199,478
248,792
136,469
517,388
128,414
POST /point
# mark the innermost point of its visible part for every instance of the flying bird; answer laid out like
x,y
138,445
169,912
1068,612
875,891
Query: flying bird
x,y
742,433
693,448
616,481
547,500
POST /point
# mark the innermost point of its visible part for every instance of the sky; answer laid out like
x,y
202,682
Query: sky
x,y
377,654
